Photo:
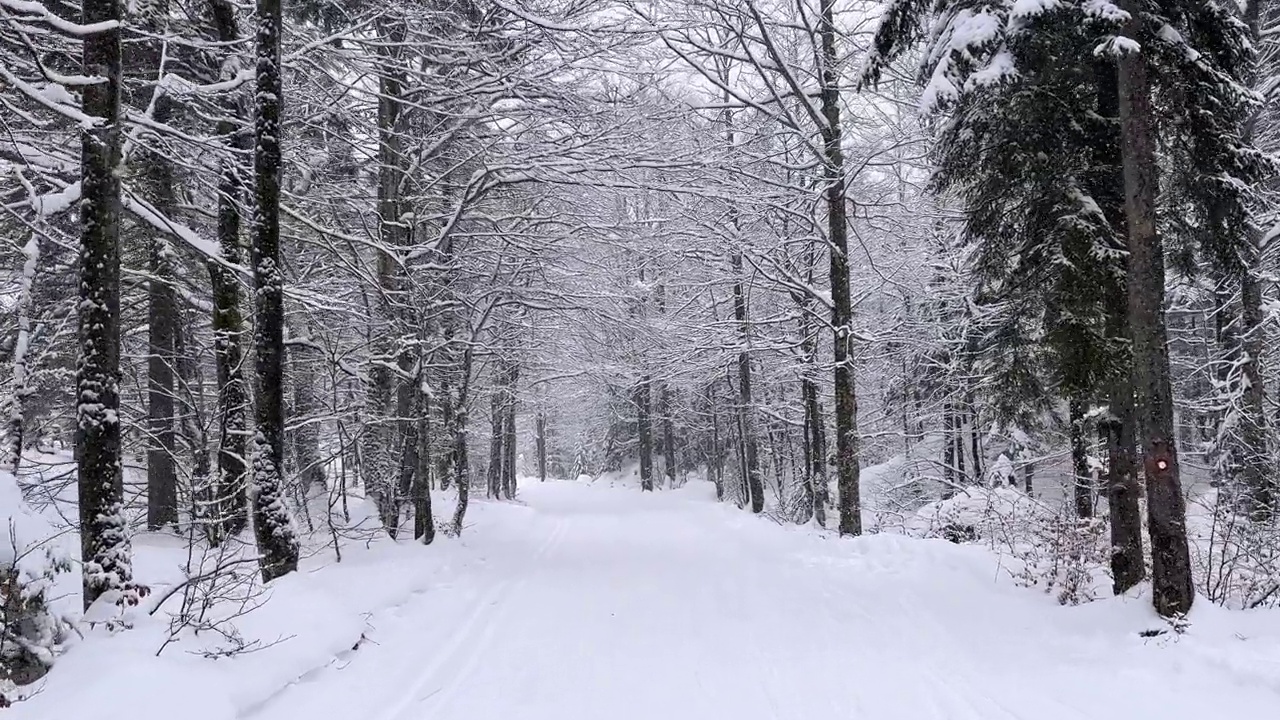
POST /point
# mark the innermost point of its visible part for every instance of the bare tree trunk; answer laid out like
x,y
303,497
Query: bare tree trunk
x,y
1081,485
17,416
975,440
1257,471
746,407
1127,565
306,436
1172,584
715,460
384,395
1127,568
227,508
644,429
497,434
509,433
541,440
460,469
668,436
424,524
162,310
104,533
272,526
948,449
444,466
847,469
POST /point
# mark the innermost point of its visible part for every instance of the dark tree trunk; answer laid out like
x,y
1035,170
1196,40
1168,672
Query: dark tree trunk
x,y
948,449
1082,481
817,450
306,434
21,388
162,326
541,440
1127,568
272,527
409,462
104,533
1257,470
715,459
227,509
461,470
1172,584
444,467
424,526
668,437
746,406
847,469
497,434
157,183
1127,565
975,441
384,395
509,434
644,428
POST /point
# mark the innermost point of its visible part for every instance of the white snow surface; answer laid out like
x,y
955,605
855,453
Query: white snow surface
x,y
586,601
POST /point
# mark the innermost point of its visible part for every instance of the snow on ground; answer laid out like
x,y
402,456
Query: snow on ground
x,y
590,601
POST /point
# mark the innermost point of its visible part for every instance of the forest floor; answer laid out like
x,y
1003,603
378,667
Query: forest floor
x,y
583,602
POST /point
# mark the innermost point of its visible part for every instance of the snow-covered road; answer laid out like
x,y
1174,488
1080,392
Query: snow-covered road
x,y
605,603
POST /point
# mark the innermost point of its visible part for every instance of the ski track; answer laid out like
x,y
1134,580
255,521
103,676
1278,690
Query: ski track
x,y
666,606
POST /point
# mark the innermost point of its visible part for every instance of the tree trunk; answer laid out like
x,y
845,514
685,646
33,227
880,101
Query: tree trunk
x,y
715,459
424,526
1081,485
104,532
645,431
1127,565
17,416
444,466
272,526
306,436
1172,585
509,434
948,450
1127,568
541,424
847,470
975,441
746,407
460,468
162,309
162,480
668,436
497,434
1257,471
384,395
227,509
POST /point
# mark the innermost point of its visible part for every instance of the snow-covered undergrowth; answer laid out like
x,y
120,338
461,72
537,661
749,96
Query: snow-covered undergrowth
x,y
1039,542
31,557
209,630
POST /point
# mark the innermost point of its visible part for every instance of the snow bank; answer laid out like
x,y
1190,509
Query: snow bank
x,y
299,625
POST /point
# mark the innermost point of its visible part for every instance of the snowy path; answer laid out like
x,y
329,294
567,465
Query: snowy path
x,y
608,604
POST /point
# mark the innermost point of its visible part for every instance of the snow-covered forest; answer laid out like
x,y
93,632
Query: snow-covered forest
x,y
639,358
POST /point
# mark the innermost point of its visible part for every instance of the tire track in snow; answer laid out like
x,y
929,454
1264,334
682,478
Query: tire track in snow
x,y
466,644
